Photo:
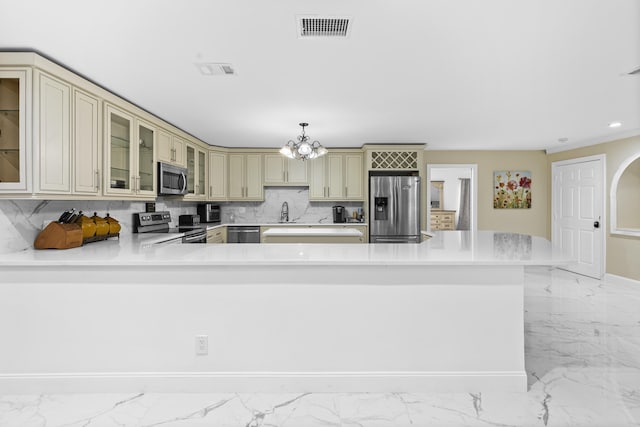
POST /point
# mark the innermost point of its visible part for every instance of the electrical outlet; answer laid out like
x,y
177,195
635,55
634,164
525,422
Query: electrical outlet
x,y
202,345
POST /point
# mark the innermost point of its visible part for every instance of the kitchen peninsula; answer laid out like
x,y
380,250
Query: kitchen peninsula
x,y
446,314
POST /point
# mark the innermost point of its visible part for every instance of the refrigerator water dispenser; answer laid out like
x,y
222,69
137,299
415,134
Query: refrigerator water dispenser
x,y
380,213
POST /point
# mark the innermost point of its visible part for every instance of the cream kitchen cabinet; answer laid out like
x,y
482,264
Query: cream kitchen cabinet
x,y
129,155
53,137
217,235
245,177
171,149
280,170
15,107
337,176
87,143
217,176
196,173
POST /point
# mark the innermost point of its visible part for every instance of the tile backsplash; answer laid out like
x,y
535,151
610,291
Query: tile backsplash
x,y
297,198
22,220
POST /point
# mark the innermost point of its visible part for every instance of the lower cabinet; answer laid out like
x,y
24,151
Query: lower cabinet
x,y
217,235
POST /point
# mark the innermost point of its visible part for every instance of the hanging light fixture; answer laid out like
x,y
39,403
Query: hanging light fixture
x,y
303,149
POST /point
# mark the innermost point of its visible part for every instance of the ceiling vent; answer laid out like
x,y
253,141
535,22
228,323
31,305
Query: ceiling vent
x,y
313,26
216,69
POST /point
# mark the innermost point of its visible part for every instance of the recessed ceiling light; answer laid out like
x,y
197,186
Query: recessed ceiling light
x,y
215,69
615,124
563,140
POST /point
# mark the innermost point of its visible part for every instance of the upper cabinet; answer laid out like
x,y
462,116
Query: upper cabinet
x,y
171,149
196,173
129,155
53,137
245,177
217,176
87,142
14,113
280,170
337,176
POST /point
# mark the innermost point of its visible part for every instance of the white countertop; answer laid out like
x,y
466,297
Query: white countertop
x,y
445,248
316,231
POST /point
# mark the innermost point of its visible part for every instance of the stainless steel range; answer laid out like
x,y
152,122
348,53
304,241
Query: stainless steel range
x,y
158,222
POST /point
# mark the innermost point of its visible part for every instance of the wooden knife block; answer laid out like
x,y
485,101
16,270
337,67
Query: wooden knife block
x,y
59,236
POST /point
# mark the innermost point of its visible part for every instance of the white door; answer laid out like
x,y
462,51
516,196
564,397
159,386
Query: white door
x,y
577,212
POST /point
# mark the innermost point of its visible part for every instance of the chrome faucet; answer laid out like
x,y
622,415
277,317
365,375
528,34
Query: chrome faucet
x,y
284,212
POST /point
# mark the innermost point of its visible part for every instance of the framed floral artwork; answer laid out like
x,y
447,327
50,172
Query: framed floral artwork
x,y
512,189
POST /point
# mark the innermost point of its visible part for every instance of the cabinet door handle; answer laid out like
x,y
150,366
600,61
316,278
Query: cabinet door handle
x,y
97,178
138,186
346,191
211,191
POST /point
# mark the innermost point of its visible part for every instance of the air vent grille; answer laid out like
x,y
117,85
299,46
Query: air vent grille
x,y
315,26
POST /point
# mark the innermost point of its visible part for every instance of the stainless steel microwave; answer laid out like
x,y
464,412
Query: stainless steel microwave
x,y
172,180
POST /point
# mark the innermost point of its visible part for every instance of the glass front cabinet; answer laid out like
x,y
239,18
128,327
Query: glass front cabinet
x,y
196,173
13,129
129,155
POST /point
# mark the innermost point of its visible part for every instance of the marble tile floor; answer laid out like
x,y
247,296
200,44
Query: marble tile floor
x,y
582,340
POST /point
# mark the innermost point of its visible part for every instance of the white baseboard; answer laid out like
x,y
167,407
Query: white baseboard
x,y
612,278
263,382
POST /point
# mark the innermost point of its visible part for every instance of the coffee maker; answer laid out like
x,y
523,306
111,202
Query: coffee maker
x,y
339,214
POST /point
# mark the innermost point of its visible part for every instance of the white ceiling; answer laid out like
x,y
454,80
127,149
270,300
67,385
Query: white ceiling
x,y
455,74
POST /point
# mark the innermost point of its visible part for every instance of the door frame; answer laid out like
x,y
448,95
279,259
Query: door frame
x,y
474,190
603,222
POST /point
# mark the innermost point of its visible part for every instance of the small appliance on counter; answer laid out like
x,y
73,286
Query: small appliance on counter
x,y
339,214
158,222
209,212
189,220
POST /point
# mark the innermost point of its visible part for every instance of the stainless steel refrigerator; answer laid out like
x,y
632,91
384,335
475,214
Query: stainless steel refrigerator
x,y
394,209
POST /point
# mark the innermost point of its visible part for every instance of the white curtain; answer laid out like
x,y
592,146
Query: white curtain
x,y
464,213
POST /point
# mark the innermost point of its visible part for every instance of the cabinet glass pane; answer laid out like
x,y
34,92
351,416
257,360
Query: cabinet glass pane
x,y
191,167
201,172
9,130
145,158
120,152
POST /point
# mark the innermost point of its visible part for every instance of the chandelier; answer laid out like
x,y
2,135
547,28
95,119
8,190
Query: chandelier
x,y
303,149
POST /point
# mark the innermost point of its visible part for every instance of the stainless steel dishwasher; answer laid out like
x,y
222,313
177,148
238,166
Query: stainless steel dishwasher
x,y
243,234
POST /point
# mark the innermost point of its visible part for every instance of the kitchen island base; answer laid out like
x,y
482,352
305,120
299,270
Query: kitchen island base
x,y
271,328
